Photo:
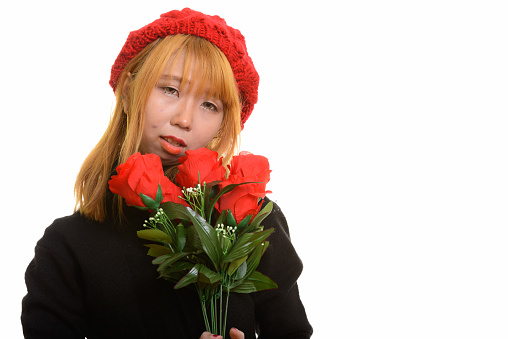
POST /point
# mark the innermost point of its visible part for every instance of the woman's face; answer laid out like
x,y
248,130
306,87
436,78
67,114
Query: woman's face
x,y
177,118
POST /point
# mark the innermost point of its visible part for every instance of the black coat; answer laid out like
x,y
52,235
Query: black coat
x,y
95,280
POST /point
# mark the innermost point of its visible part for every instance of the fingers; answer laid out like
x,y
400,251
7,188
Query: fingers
x,y
208,335
236,334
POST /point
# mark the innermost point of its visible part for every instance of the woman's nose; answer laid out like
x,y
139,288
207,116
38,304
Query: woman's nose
x,y
183,116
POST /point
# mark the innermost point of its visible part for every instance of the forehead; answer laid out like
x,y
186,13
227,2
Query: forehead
x,y
194,71
177,68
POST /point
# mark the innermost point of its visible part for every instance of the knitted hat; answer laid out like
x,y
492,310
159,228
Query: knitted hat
x,y
212,28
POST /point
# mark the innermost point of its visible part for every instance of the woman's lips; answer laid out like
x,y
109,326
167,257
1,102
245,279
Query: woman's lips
x,y
172,144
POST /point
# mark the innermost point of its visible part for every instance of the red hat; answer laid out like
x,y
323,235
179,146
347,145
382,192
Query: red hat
x,y
212,28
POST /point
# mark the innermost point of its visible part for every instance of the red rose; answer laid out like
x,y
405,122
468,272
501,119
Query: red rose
x,y
143,174
245,199
199,165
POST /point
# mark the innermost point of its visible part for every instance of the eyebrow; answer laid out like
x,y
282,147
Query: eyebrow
x,y
170,77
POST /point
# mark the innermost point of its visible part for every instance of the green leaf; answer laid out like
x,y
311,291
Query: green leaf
x,y
192,239
208,236
159,196
175,211
180,237
168,259
209,193
244,222
211,189
255,282
246,244
157,250
177,267
225,244
190,278
241,271
148,202
230,219
255,257
175,271
222,218
252,262
208,276
234,265
256,222
155,235
265,246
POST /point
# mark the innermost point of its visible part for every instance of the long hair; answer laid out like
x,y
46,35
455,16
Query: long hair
x,y
213,76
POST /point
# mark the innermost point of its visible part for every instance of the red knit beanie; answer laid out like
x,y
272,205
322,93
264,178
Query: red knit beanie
x,y
212,28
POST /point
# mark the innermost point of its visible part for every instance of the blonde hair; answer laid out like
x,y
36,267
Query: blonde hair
x,y
213,75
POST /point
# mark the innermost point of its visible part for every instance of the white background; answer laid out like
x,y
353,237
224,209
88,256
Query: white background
x,y
385,123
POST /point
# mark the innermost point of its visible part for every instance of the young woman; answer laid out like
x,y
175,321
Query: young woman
x,y
183,82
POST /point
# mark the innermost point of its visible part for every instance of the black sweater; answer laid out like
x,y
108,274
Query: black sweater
x,y
95,280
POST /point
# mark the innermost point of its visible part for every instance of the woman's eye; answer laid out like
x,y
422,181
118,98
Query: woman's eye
x,y
209,106
170,90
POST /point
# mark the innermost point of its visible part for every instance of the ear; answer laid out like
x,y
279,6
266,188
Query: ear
x,y
125,92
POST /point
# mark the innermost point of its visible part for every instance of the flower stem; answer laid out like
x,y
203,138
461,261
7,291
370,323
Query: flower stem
x,y
225,314
213,306
220,316
203,309
227,284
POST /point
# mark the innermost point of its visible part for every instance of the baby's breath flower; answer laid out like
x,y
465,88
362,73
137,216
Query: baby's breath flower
x,y
226,231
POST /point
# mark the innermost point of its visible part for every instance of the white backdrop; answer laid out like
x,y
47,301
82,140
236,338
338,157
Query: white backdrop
x,y
385,123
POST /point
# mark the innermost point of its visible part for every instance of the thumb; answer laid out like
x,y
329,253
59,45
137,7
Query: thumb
x,y
236,333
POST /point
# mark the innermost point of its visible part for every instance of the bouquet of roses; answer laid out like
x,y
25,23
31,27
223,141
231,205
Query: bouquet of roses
x,y
206,228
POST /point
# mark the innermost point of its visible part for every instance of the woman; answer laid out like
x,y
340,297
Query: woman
x,y
183,82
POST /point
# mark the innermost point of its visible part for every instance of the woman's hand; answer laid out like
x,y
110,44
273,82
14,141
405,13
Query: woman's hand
x,y
234,333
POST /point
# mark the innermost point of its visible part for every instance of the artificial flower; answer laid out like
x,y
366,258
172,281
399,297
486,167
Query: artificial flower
x,y
198,167
245,199
193,243
143,174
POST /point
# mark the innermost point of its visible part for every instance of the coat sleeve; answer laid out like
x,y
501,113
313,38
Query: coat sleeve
x,y
54,305
280,313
